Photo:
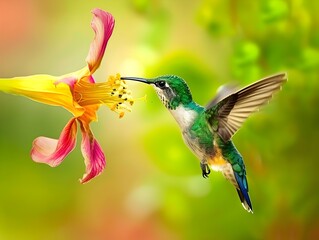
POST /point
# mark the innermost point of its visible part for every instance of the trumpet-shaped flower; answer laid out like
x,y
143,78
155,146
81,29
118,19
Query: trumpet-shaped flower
x,y
82,96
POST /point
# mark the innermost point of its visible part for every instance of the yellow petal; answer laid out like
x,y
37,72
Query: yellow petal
x,y
42,88
90,113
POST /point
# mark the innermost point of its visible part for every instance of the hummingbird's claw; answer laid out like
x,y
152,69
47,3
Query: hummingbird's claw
x,y
205,170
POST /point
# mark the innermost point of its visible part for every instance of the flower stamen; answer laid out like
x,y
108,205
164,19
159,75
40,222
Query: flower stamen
x,y
112,93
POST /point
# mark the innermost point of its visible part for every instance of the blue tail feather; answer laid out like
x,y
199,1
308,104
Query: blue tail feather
x,y
243,191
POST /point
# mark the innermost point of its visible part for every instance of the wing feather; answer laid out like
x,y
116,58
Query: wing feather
x,y
229,113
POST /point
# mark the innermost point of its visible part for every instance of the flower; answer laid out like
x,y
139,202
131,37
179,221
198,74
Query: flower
x,y
82,96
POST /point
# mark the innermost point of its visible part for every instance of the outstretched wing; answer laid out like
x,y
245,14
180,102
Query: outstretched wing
x,y
222,92
227,116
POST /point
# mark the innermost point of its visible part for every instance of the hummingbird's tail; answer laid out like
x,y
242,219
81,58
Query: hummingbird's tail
x,y
242,191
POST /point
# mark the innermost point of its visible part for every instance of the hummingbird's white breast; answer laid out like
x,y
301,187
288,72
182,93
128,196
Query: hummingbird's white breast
x,y
183,116
185,119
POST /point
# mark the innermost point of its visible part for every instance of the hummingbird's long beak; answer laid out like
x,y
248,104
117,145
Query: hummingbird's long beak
x,y
143,80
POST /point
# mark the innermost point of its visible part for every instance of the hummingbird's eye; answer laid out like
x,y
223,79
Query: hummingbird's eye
x,y
160,84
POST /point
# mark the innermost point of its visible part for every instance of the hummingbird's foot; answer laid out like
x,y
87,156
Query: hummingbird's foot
x,y
205,170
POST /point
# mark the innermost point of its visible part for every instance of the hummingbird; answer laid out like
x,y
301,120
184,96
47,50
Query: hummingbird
x,y
208,130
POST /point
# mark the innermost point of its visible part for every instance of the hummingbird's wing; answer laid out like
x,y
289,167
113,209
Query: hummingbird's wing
x,y
222,92
227,115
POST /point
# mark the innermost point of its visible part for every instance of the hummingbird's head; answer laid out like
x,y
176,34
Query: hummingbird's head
x,y
172,90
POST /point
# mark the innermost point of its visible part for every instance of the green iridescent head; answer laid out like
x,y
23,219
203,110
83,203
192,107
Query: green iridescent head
x,y
172,90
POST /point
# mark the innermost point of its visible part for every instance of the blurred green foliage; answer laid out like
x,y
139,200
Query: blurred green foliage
x,y
152,187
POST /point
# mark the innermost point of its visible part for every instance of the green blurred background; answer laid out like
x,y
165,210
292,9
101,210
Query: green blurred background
x,y
152,186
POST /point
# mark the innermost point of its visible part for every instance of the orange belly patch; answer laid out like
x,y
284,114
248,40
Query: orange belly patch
x,y
217,162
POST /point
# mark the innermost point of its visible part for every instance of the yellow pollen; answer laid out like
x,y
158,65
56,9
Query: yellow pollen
x,y
112,93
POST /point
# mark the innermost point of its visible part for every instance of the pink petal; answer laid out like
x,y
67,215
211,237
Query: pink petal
x,y
102,24
52,151
67,80
94,158
91,79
